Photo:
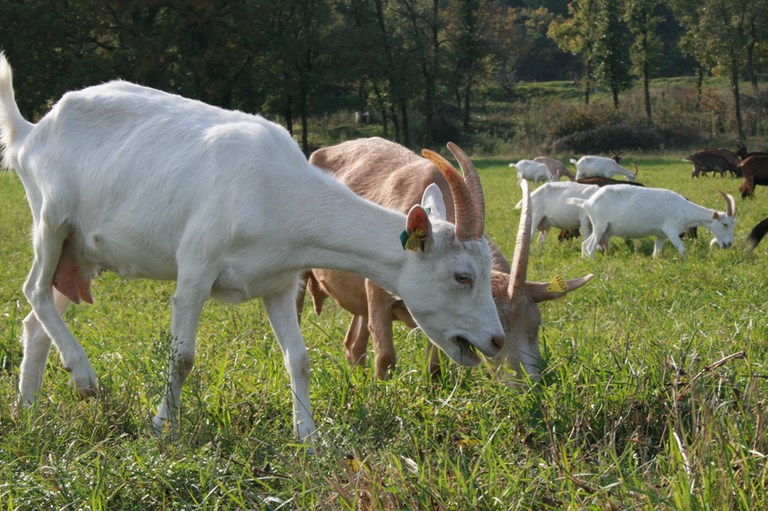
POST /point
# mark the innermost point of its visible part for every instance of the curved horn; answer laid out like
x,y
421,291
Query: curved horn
x,y
636,169
522,246
730,203
464,211
472,179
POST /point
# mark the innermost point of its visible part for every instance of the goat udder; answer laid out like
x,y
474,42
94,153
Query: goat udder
x,y
69,281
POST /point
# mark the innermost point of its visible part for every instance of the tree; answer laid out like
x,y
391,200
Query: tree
x,y
646,49
611,49
578,35
717,36
468,47
758,33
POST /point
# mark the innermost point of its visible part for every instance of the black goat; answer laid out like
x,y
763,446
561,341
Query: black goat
x,y
756,234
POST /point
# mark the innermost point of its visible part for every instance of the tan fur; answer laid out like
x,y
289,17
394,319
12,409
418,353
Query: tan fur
x,y
393,176
556,167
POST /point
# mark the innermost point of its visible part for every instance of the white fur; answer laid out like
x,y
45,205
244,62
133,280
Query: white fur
x,y
152,185
550,207
636,212
532,170
600,166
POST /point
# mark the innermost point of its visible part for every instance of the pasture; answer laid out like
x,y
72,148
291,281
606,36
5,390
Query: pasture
x,y
653,390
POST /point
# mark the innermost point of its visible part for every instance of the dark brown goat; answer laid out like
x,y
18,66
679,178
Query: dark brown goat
x,y
754,169
757,234
714,160
604,181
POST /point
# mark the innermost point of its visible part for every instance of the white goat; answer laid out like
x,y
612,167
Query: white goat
x,y
556,167
152,185
390,174
636,212
600,166
551,208
533,170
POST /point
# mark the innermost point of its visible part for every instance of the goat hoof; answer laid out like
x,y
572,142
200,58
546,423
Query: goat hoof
x,y
84,381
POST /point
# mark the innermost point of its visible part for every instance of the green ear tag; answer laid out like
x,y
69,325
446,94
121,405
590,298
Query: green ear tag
x,y
404,238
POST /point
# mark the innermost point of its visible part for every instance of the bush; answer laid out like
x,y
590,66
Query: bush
x,y
568,119
612,138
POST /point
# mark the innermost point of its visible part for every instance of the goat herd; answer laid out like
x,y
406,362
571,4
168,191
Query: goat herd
x,y
225,204
601,206
579,204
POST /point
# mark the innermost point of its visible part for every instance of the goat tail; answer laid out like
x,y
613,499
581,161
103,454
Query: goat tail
x,y
756,234
13,126
574,161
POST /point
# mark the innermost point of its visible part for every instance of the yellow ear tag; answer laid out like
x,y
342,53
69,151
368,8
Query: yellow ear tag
x,y
412,240
558,285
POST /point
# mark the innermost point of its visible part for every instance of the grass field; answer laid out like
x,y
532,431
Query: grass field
x,y
653,393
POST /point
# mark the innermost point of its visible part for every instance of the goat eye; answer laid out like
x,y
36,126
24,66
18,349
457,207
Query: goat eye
x,y
463,278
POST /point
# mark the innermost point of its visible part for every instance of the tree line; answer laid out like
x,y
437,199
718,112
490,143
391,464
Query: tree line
x,y
404,60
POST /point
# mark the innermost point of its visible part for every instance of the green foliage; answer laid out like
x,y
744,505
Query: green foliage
x,y
639,405
608,138
408,61
611,49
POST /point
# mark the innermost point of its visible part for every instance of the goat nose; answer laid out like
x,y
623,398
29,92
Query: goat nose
x,y
498,342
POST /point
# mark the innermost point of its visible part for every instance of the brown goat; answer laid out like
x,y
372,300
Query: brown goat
x,y
556,167
714,160
393,176
754,169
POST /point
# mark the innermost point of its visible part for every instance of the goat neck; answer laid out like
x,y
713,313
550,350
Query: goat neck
x,y
466,222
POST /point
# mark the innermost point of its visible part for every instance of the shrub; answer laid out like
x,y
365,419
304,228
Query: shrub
x,y
610,138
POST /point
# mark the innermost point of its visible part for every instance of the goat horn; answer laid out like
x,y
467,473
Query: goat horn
x,y
636,169
730,203
464,211
473,184
522,246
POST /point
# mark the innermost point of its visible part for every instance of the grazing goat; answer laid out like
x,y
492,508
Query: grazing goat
x,y
714,160
590,166
533,170
551,209
556,167
153,185
388,173
757,234
599,181
754,169
637,212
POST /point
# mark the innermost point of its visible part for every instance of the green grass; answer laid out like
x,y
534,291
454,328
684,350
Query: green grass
x,y
630,413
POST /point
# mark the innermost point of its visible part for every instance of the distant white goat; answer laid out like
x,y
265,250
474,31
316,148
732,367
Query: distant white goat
x,y
636,212
532,170
152,185
556,167
551,208
600,166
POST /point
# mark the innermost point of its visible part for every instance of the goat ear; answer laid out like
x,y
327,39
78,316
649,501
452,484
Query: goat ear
x,y
542,291
432,201
418,229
